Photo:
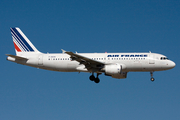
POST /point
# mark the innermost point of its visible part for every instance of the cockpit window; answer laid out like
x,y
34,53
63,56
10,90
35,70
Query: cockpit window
x,y
164,58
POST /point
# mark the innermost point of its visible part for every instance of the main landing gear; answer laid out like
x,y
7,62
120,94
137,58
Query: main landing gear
x,y
96,80
152,79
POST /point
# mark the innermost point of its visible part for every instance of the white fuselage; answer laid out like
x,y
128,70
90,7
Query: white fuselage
x,y
129,61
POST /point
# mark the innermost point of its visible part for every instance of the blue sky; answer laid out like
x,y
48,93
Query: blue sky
x,y
90,26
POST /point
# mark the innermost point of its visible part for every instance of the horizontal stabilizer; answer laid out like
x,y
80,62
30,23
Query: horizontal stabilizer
x,y
16,57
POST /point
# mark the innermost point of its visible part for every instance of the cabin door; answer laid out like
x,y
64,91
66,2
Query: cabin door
x,y
151,59
40,60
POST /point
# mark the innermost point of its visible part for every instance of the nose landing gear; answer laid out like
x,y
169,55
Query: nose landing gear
x,y
152,79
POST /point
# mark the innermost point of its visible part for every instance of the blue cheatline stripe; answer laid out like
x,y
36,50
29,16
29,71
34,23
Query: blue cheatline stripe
x,y
17,41
22,40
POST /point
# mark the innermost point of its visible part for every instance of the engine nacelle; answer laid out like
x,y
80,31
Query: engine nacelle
x,y
115,71
112,69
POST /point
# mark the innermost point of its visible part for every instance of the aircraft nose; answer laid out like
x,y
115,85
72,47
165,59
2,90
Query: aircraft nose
x,y
172,64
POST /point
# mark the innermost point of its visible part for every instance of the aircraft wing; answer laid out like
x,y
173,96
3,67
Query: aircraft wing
x,y
88,62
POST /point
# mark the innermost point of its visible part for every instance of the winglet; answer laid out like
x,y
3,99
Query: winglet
x,y
63,51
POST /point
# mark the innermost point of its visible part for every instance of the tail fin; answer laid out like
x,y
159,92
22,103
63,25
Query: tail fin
x,y
21,43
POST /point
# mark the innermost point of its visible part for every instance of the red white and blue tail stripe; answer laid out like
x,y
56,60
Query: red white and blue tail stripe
x,y
21,42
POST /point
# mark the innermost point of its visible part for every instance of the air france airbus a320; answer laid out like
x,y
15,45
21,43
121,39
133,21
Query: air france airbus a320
x,y
116,65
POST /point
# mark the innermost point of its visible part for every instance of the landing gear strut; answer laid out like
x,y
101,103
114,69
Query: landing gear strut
x,y
152,79
92,78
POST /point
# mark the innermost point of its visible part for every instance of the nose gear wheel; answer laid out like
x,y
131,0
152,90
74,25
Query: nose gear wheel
x,y
152,79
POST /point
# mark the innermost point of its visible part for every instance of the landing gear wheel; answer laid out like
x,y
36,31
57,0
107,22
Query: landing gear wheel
x,y
97,80
152,79
92,78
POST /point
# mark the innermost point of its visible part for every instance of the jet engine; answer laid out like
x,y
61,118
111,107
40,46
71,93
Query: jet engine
x,y
112,69
115,71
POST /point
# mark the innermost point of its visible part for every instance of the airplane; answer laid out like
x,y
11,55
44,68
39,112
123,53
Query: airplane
x,y
116,65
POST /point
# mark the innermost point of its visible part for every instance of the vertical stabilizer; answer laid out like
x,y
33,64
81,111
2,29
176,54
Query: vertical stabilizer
x,y
21,43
